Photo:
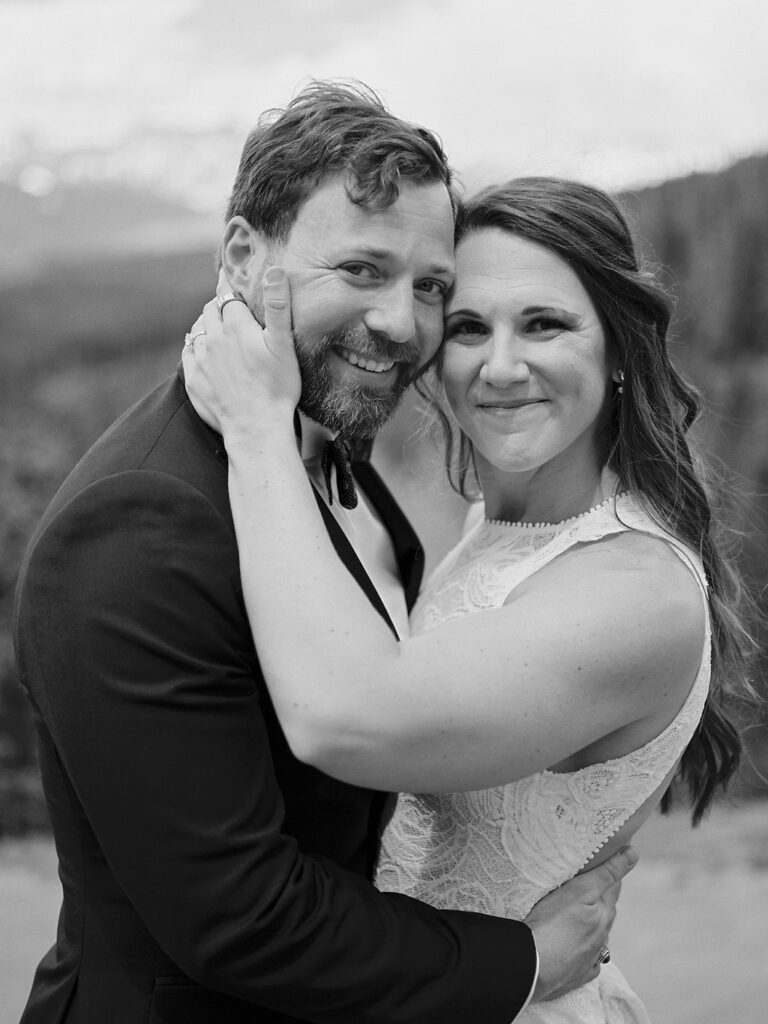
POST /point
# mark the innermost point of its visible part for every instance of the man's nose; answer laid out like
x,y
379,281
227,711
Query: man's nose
x,y
393,314
505,361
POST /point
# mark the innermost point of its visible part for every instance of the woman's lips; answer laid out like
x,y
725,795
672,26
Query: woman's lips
x,y
511,405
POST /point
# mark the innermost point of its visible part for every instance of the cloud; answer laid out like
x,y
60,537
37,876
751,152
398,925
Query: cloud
x,y
272,29
612,89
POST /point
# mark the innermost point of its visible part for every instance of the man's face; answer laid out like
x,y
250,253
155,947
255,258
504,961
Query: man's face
x,y
367,293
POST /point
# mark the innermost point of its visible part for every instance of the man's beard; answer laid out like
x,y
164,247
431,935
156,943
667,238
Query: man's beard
x,y
353,410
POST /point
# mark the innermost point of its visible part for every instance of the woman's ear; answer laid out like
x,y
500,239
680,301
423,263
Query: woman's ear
x,y
243,252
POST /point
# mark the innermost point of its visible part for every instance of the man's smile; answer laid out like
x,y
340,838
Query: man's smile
x,y
365,362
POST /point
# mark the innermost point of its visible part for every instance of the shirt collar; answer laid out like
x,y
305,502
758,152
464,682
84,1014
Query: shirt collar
x,y
312,439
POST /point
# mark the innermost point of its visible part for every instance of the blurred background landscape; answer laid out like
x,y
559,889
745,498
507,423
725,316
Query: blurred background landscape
x,y
117,153
85,332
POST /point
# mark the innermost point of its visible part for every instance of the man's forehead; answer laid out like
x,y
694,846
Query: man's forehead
x,y
420,208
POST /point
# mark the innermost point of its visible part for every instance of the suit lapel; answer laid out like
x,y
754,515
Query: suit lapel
x,y
409,554
347,554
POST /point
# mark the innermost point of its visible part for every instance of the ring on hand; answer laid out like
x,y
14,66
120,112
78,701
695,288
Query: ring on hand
x,y
603,956
189,339
222,300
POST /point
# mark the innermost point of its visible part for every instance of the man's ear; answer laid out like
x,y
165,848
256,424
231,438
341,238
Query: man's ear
x,y
243,252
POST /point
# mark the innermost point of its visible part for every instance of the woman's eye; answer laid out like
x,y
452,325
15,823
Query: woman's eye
x,y
466,329
547,325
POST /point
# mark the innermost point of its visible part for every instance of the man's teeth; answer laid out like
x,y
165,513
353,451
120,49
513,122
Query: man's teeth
x,y
372,365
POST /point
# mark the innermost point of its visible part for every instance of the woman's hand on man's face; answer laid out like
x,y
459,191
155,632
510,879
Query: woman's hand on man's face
x,y
240,376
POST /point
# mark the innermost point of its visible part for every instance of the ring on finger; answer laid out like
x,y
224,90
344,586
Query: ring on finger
x,y
189,339
603,956
222,300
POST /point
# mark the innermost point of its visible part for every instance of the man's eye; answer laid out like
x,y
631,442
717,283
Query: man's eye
x,y
432,287
359,269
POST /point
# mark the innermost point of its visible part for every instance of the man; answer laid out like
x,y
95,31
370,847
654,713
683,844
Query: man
x,y
207,874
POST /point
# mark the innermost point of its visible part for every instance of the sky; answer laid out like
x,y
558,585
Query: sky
x,y
161,93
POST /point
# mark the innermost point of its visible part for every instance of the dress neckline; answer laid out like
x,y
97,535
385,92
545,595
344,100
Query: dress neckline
x,y
524,527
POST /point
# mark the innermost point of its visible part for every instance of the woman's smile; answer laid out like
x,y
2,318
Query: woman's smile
x,y
509,406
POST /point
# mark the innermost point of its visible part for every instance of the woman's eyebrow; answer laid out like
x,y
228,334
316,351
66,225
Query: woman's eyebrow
x,y
464,312
533,310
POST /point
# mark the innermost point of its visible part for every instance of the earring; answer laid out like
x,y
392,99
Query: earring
x,y
620,382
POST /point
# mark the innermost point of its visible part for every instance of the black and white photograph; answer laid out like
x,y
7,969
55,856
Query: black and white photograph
x,y
384,517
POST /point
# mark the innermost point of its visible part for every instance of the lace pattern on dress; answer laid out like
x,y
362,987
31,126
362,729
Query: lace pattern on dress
x,y
500,850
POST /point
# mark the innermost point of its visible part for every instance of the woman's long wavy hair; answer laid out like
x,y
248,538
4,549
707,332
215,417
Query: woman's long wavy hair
x,y
647,426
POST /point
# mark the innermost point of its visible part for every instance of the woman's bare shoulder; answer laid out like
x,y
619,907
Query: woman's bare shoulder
x,y
636,587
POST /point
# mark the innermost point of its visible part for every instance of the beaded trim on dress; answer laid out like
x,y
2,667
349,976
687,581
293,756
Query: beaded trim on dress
x,y
551,526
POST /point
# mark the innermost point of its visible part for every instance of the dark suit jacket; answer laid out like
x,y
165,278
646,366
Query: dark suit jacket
x,y
208,876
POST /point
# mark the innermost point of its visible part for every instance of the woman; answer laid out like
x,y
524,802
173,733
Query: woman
x,y
541,732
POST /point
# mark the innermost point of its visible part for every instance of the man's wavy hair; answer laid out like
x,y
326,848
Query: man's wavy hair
x,y
647,427
331,128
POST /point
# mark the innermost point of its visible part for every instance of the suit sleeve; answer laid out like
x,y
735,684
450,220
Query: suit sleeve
x,y
133,622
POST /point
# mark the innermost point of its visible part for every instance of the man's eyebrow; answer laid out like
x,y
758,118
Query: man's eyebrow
x,y
441,268
375,254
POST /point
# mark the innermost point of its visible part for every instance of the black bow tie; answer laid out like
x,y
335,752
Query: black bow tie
x,y
337,453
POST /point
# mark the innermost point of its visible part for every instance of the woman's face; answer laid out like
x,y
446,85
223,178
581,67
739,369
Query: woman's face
x,y
524,361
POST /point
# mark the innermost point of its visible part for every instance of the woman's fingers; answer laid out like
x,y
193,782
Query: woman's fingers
x,y
212,321
277,310
223,285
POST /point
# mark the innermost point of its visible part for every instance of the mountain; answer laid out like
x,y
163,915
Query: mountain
x,y
93,267
58,224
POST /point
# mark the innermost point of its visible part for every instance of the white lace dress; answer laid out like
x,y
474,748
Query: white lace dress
x,y
498,851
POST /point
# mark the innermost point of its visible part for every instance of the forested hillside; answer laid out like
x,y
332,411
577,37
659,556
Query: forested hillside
x,y
81,339
711,231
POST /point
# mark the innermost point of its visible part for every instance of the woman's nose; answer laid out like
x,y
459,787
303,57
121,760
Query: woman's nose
x,y
505,363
